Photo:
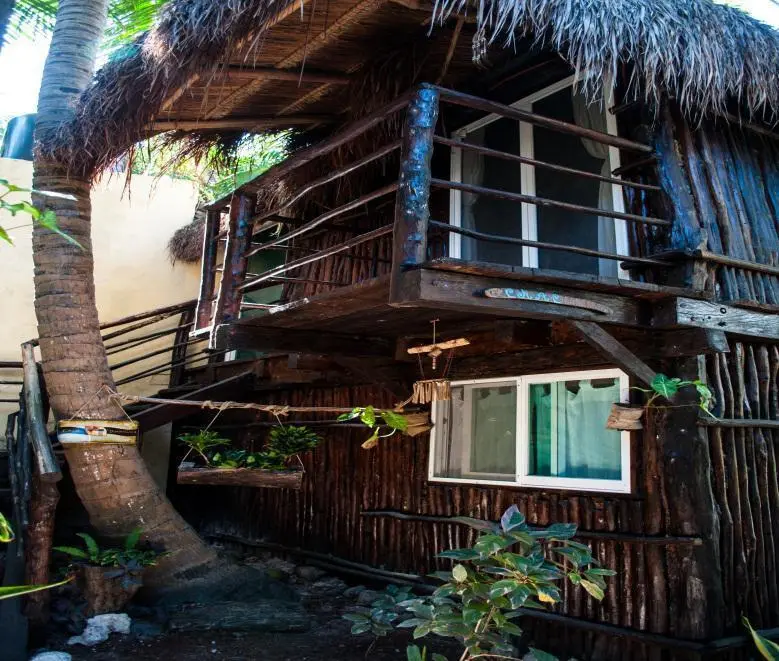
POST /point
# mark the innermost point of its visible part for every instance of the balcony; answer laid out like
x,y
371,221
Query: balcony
x,y
354,256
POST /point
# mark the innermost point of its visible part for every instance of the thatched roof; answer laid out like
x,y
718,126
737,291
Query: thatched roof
x,y
209,71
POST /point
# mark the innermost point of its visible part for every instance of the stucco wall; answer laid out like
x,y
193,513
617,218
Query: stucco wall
x,y
132,270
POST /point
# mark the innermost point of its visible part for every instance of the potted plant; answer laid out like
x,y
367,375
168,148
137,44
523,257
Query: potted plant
x,y
110,577
277,465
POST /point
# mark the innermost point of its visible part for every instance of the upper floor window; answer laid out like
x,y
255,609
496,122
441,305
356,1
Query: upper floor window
x,y
544,430
496,216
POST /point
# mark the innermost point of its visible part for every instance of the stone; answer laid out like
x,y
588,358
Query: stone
x,y
327,587
278,568
100,627
52,656
354,591
309,573
367,597
146,629
266,616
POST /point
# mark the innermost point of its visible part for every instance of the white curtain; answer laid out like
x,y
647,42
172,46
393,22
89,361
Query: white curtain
x,y
593,116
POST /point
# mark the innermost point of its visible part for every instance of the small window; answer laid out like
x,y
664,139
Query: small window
x,y
544,430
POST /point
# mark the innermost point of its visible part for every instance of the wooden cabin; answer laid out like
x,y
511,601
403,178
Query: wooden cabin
x,y
589,194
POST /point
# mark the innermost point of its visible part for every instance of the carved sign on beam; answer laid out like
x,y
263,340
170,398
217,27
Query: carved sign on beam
x,y
704,314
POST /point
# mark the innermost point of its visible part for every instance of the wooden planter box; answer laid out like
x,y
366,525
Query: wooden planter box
x,y
242,477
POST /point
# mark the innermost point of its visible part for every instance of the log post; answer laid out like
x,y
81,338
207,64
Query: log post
x,y
239,233
412,212
179,353
45,494
205,302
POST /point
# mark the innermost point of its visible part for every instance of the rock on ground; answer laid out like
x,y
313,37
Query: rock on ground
x,y
100,627
52,656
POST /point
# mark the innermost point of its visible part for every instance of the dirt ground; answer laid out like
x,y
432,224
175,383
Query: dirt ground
x,y
329,643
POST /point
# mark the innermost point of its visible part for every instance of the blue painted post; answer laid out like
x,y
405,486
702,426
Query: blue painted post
x,y
412,212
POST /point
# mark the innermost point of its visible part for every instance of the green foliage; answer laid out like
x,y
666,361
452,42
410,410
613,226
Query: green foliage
x,y
10,591
129,557
414,653
767,648
285,442
374,419
45,218
509,567
667,387
202,441
6,531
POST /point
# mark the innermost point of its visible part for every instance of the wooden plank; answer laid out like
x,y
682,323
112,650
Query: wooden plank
x,y
412,211
454,291
249,124
241,477
618,353
262,338
705,314
304,75
48,467
738,423
208,269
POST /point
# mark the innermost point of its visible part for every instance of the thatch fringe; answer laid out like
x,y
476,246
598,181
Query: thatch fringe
x,y
705,54
186,244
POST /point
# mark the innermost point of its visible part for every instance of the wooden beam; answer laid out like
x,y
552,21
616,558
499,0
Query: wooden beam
x,y
47,465
302,75
208,269
465,293
615,351
262,338
239,123
716,316
309,48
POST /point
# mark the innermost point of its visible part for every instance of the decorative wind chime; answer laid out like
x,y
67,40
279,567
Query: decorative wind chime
x,y
438,389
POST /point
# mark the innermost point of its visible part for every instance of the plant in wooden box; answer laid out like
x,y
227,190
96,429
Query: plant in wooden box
x,y
626,417
110,577
278,464
509,567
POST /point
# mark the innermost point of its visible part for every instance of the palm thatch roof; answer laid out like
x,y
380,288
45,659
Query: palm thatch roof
x,y
210,71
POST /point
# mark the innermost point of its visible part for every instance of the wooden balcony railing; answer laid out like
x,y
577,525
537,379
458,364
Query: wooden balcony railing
x,y
411,225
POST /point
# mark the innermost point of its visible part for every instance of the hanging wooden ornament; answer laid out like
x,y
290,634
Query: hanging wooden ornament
x,y
435,390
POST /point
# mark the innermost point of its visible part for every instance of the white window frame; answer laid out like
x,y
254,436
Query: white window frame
x,y
529,211
522,441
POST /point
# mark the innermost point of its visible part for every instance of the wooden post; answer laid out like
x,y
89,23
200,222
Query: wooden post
x,y
412,212
228,302
179,353
45,494
208,269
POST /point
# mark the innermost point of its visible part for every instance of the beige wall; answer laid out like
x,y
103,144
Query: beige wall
x,y
132,270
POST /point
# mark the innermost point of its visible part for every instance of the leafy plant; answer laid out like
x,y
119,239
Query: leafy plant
x,y
45,218
767,648
664,386
374,419
509,567
414,653
202,441
6,531
129,556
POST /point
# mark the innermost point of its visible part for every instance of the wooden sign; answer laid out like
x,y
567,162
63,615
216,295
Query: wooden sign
x,y
536,296
80,432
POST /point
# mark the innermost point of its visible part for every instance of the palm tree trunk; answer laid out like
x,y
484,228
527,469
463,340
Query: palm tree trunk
x,y
112,481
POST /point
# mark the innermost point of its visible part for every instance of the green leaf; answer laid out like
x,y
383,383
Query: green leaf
x,y
547,594
395,420
368,416
767,648
665,386
72,551
422,630
49,220
361,627
439,657
132,539
594,589
459,573
500,588
600,571
540,655
91,544
4,236
413,653
412,622
574,577
9,591
560,531
512,518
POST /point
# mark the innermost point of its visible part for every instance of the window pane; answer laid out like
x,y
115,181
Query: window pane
x,y
475,433
573,228
568,435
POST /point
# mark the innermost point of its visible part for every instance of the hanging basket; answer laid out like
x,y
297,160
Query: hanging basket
x,y
431,390
240,477
625,417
